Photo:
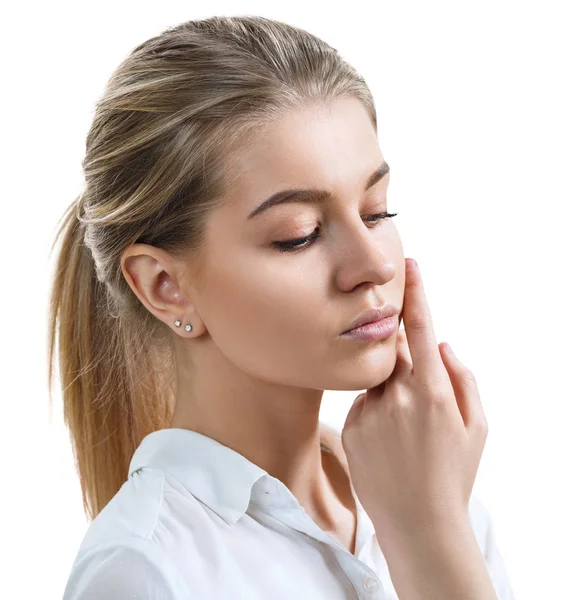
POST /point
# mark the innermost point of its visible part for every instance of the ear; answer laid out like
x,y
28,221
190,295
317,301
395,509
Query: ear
x,y
154,277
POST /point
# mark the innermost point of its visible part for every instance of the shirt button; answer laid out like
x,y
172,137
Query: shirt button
x,y
371,584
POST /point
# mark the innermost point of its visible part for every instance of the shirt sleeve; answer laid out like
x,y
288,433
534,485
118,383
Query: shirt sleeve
x,y
495,563
123,572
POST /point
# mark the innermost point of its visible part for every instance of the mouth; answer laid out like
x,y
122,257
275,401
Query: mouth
x,y
373,332
372,315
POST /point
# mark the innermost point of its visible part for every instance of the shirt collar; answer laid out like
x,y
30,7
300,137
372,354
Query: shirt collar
x,y
217,475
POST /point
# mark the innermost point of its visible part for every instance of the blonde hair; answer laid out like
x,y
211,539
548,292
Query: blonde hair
x,y
156,163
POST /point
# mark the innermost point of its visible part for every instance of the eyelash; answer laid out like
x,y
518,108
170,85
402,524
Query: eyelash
x,y
298,244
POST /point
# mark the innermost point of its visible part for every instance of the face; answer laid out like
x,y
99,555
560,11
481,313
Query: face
x,y
278,315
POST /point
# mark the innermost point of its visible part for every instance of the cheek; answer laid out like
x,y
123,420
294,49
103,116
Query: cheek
x,y
269,303
265,321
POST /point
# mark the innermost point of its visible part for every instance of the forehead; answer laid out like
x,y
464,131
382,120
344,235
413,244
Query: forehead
x,y
330,145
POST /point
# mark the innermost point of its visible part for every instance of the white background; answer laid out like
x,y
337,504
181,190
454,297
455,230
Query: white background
x,y
469,103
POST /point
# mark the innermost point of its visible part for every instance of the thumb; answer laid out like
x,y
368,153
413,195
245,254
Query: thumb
x,y
354,412
359,400
357,405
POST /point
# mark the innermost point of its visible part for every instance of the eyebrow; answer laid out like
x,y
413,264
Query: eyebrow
x,y
314,195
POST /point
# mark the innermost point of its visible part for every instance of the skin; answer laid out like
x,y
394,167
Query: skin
x,y
265,340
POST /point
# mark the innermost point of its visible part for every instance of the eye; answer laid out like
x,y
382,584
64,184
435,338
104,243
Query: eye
x,y
298,244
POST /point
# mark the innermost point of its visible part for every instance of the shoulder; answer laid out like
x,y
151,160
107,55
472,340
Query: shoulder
x,y
133,512
119,556
128,568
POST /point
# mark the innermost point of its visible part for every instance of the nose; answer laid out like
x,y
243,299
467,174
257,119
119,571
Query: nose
x,y
363,258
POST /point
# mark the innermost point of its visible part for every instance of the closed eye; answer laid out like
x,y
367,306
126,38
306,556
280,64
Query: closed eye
x,y
298,244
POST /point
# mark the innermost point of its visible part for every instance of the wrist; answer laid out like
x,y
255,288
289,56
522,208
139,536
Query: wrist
x,y
434,534
441,560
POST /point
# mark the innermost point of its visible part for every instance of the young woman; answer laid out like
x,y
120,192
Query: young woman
x,y
232,236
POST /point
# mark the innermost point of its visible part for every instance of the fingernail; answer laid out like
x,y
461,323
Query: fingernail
x,y
448,348
414,264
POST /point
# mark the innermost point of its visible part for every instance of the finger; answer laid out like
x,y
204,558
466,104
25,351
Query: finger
x,y
355,410
424,351
465,389
404,359
403,367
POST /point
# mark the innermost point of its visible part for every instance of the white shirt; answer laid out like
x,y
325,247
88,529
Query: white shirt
x,y
196,520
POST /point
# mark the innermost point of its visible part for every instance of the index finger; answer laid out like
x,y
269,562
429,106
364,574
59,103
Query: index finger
x,y
425,355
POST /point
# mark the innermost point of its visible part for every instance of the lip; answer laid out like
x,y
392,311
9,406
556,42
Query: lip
x,y
372,332
372,315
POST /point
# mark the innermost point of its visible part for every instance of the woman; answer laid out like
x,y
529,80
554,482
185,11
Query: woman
x,y
233,227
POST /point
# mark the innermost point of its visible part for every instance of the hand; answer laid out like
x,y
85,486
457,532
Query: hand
x,y
414,442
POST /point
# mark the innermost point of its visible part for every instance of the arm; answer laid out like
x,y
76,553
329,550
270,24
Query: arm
x,y
441,563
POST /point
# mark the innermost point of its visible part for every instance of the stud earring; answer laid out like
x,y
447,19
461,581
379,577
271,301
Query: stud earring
x,y
187,327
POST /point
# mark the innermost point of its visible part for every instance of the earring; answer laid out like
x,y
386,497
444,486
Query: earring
x,y
187,327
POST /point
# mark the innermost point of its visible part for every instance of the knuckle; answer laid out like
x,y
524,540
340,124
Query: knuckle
x,y
484,425
402,402
439,396
479,422
434,390
439,400
418,322
469,376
